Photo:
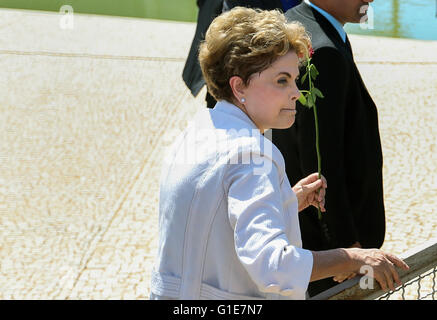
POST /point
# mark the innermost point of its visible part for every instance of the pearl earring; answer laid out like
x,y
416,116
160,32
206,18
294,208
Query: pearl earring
x,y
243,100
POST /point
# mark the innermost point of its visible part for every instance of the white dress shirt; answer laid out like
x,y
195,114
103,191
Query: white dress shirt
x,y
228,218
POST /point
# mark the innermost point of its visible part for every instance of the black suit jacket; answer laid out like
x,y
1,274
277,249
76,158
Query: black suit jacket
x,y
208,10
261,4
349,144
192,74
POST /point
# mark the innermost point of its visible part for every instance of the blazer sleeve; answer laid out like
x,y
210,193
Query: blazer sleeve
x,y
332,81
256,216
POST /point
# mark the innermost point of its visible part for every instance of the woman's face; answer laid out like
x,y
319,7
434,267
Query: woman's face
x,y
271,95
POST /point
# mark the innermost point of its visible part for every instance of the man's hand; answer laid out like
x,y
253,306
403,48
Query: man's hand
x,y
311,191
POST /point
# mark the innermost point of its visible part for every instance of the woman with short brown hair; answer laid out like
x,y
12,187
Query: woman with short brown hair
x,y
229,226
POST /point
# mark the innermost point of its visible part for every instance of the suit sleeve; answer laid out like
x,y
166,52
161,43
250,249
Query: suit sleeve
x,y
332,81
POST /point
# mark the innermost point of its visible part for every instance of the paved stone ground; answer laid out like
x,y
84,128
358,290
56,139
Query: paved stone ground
x,y
85,115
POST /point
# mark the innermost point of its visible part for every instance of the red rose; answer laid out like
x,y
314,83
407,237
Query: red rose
x,y
311,52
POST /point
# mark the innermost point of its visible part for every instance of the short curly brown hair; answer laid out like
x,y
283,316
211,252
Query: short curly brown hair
x,y
245,41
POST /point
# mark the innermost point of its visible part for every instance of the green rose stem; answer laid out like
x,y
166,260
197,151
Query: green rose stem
x,y
316,122
319,159
308,98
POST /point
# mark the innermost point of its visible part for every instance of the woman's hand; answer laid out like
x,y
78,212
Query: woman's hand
x,y
311,191
340,262
382,265
346,276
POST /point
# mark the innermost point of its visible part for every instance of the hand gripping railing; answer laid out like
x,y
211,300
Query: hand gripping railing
x,y
421,277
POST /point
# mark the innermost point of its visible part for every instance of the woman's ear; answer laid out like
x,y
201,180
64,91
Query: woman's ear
x,y
238,87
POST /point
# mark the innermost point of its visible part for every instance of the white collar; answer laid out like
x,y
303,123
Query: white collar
x,y
232,109
336,24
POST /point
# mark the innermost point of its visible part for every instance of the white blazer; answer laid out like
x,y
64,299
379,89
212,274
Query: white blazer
x,y
228,218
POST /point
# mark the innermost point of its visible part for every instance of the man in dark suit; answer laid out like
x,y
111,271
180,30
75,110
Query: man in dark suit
x,y
192,74
349,137
208,10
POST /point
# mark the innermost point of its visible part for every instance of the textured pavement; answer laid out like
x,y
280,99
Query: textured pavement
x,y
85,115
